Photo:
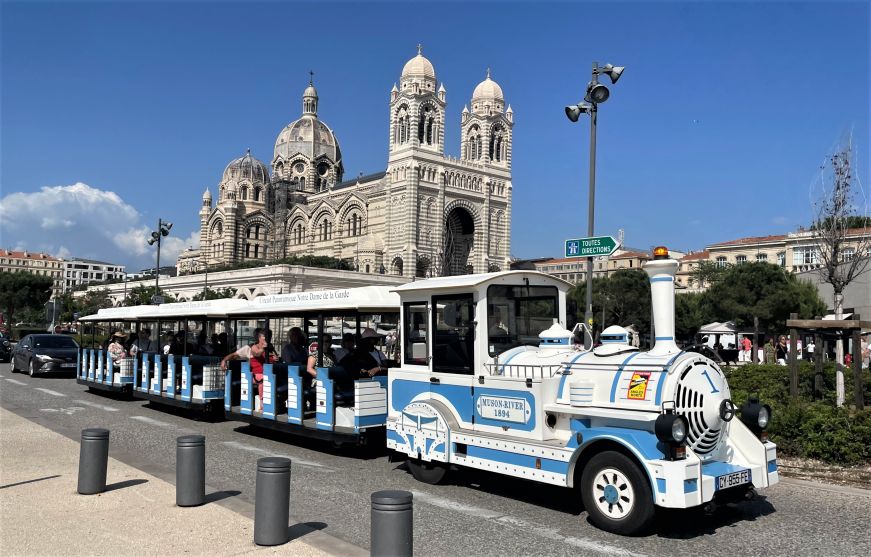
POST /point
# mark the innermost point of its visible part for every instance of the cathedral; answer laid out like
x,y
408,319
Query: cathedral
x,y
427,214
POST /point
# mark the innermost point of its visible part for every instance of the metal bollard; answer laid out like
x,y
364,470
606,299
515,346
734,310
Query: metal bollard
x,y
93,461
190,470
392,531
272,501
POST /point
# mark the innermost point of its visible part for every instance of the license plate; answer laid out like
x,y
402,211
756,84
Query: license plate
x,y
68,365
731,480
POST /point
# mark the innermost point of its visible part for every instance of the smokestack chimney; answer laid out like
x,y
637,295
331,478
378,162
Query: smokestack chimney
x,y
661,272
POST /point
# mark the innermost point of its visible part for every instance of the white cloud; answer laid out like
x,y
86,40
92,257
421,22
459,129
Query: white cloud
x,y
83,221
780,221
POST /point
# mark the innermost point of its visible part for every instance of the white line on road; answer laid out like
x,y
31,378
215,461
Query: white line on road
x,y
151,421
518,523
17,382
95,405
49,392
265,452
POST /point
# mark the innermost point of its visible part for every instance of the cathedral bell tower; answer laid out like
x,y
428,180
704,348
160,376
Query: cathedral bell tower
x,y
487,129
417,108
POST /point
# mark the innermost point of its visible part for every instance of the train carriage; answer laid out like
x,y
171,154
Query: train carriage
x,y
95,368
330,407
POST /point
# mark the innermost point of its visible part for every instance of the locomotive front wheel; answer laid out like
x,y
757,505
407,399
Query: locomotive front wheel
x,y
427,472
616,494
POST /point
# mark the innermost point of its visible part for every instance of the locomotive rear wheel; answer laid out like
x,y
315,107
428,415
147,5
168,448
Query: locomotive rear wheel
x,y
427,472
616,494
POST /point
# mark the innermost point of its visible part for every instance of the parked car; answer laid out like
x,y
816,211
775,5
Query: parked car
x,y
5,348
44,353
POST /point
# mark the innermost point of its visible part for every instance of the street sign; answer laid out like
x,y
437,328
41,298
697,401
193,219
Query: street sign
x,y
157,299
591,247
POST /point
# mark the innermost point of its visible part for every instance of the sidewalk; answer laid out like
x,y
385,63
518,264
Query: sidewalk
x,y
41,513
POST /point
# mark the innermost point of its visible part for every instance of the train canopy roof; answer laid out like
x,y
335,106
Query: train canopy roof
x,y
366,299
483,279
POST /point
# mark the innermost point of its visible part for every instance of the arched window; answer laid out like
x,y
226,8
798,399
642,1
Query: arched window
x,y
257,194
354,225
244,193
298,235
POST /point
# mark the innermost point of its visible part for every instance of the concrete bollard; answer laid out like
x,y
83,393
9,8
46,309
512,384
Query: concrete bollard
x,y
392,530
190,471
272,501
93,461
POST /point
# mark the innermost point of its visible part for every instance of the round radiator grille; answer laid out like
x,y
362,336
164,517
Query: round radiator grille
x,y
700,391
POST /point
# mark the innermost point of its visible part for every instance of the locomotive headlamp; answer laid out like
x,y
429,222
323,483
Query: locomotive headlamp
x,y
660,252
671,428
756,416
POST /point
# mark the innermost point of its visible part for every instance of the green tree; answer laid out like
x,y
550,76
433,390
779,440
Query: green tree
x,y
706,273
141,296
761,290
23,290
93,301
624,295
691,311
210,294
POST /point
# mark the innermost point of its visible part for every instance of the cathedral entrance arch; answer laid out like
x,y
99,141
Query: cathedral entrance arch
x,y
459,241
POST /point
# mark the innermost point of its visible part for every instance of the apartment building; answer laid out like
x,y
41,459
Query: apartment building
x,y
34,263
78,272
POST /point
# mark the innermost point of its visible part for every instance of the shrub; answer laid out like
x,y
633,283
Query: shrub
x,y
802,426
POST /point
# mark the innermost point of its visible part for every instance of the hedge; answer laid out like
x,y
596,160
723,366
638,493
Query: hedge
x,y
805,427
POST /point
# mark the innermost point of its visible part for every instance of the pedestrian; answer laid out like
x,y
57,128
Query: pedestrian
x,y
770,350
255,353
746,346
781,351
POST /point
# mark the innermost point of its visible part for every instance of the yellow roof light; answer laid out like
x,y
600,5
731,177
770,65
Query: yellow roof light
x,y
660,252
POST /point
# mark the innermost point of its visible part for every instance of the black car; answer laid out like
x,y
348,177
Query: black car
x,y
44,353
5,348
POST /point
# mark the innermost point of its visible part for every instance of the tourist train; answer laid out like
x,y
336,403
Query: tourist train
x,y
485,375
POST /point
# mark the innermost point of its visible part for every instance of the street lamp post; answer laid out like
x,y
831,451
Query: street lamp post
x,y
596,93
163,229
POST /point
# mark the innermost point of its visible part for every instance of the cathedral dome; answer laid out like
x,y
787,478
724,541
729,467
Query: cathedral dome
x,y
247,168
307,136
419,66
488,90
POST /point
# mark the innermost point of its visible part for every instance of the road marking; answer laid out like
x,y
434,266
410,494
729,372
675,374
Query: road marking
x,y
17,382
95,405
49,392
518,523
151,421
68,411
454,506
266,452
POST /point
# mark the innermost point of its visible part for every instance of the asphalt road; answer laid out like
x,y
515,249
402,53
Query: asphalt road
x,y
474,514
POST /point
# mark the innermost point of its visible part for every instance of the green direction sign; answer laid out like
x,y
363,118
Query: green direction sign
x,y
591,247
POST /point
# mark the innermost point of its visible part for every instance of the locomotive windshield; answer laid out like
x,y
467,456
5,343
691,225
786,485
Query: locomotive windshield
x,y
517,314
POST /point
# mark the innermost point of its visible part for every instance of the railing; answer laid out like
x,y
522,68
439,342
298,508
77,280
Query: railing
x,y
527,371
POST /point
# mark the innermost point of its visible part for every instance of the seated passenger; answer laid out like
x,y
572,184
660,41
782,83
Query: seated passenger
x,y
294,352
366,360
329,357
346,348
116,347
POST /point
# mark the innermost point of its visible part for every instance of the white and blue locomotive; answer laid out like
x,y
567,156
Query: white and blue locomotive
x,y
481,386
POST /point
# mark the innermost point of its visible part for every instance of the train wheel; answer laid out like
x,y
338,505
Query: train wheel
x,y
427,472
616,494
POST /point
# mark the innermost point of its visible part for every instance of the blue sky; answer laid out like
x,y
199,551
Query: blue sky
x,y
715,131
